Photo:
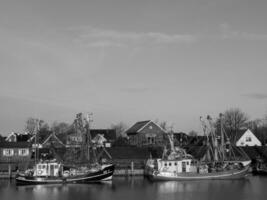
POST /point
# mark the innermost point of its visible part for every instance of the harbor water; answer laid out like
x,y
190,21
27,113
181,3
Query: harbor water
x,y
139,188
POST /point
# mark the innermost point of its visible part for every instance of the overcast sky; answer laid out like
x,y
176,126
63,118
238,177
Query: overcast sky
x,y
128,60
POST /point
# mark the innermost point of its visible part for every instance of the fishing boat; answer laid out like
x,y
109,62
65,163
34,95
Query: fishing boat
x,y
220,160
53,171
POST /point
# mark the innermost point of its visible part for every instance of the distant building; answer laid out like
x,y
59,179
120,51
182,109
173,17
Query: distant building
x,y
198,140
146,133
18,137
75,140
15,152
247,138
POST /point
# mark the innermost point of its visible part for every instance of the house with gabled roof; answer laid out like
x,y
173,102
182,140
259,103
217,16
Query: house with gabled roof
x,y
46,141
146,133
18,137
52,140
247,138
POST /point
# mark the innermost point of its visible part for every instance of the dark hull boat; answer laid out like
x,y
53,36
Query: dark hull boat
x,y
54,172
103,174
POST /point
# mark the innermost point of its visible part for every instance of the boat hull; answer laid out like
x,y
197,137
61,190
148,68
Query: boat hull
x,y
102,175
231,174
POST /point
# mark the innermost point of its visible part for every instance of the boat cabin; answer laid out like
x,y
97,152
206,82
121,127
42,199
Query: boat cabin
x,y
177,166
48,169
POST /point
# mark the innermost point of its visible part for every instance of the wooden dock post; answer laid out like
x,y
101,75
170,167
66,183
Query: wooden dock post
x,y
9,171
132,168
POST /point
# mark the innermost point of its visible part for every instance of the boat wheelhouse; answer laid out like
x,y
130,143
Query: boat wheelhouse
x,y
46,169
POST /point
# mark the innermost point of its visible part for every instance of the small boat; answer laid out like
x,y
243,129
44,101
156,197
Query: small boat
x,y
51,172
219,162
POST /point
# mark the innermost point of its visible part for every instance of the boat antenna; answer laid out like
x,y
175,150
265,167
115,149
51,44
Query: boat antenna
x,y
222,136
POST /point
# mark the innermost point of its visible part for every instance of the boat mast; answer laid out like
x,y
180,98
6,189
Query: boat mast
x,y
222,137
209,153
36,130
88,134
213,138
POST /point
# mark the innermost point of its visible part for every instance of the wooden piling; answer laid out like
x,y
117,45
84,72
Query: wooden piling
x,y
132,168
9,171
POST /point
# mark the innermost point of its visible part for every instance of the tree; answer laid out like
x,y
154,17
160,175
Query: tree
x,y
163,125
234,120
120,129
33,124
259,128
192,133
60,128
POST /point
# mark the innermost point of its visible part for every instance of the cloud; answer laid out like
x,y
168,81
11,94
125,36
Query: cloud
x,y
228,33
96,37
256,95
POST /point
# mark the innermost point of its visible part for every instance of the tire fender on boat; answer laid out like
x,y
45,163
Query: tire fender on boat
x,y
66,173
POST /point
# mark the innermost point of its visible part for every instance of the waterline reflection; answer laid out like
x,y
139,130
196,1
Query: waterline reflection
x,y
138,188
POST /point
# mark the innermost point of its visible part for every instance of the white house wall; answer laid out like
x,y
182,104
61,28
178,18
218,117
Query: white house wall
x,y
243,141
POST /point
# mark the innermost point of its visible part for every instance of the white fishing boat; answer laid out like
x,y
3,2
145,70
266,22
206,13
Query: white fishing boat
x,y
219,162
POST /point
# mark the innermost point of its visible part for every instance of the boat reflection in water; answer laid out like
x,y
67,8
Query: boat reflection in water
x,y
138,188
61,191
214,189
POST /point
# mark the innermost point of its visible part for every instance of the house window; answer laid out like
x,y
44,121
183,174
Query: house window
x,y
170,164
8,152
23,152
151,140
248,139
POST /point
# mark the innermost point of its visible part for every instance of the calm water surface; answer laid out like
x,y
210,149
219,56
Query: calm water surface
x,y
138,188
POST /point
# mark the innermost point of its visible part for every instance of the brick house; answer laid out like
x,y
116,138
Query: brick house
x,y
146,133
